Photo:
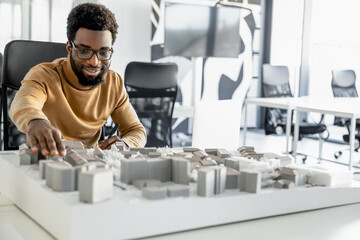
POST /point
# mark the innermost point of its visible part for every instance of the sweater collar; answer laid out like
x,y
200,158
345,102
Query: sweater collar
x,y
71,77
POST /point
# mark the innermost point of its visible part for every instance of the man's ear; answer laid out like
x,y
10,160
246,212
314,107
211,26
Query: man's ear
x,y
68,47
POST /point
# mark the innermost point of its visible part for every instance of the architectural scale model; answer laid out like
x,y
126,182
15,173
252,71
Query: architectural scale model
x,y
163,172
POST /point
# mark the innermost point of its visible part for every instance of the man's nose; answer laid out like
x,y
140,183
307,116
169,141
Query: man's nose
x,y
94,60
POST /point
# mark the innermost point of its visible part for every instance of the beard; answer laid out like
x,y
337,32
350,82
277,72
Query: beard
x,y
88,81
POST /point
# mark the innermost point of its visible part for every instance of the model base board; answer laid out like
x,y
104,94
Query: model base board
x,y
129,215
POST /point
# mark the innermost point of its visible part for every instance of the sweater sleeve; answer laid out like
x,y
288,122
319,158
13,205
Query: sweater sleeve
x,y
132,131
29,100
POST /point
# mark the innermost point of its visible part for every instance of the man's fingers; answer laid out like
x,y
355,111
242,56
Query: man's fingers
x,y
106,144
59,145
33,143
43,145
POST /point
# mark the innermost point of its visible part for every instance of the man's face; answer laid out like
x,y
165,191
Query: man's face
x,y
90,72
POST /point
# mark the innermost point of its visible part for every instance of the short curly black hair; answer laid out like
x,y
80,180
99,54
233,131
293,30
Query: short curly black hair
x,y
91,16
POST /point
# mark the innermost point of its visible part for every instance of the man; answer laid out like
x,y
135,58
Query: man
x,y
72,97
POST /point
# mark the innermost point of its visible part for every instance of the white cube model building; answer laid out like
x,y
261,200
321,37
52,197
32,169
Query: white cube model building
x,y
178,190
42,167
220,179
95,186
206,182
26,155
180,170
284,159
250,181
329,177
60,177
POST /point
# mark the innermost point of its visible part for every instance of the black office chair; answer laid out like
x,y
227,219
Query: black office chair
x,y
276,84
19,57
343,85
1,135
152,89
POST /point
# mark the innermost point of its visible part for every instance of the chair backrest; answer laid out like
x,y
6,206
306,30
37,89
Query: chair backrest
x,y
217,124
343,83
19,57
1,60
152,89
276,81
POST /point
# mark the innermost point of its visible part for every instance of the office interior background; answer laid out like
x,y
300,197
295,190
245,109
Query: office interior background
x,y
311,37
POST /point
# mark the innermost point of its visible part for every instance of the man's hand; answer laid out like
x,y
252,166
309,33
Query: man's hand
x,y
41,134
106,144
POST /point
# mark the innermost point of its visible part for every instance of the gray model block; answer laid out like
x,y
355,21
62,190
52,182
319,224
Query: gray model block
x,y
27,156
211,151
190,149
99,152
81,151
142,183
120,146
160,169
201,154
95,186
24,157
128,154
49,171
207,163
89,158
222,153
232,179
42,167
178,190
143,150
232,163
206,182
153,192
194,159
242,180
133,169
220,179
195,165
154,154
75,159
180,170
298,177
60,177
72,144
246,149
217,159
252,181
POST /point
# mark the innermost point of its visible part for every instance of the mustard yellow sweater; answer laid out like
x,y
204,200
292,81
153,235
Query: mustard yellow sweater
x,y
51,91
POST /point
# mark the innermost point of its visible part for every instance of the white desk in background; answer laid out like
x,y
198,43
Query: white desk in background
x,y
341,107
281,103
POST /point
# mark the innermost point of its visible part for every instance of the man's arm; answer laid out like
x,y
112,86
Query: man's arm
x,y
26,113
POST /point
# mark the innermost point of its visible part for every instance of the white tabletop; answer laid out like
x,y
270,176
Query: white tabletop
x,y
334,223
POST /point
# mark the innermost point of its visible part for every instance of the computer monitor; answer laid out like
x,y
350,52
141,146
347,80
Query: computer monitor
x,y
201,31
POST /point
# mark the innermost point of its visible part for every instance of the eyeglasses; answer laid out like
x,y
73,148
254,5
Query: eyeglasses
x,y
87,53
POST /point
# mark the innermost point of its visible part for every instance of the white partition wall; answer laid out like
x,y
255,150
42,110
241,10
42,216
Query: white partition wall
x,y
133,38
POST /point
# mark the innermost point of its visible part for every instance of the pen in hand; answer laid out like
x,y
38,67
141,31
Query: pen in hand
x,y
113,130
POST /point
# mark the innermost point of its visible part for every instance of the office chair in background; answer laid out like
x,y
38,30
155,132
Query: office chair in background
x,y
19,57
152,89
1,63
343,85
276,84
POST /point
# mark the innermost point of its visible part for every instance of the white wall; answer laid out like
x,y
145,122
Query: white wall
x,y
134,33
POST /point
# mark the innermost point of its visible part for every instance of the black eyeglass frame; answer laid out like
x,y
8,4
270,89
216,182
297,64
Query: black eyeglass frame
x,y
93,52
